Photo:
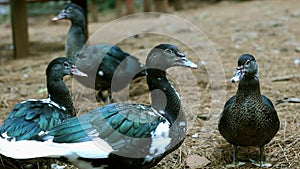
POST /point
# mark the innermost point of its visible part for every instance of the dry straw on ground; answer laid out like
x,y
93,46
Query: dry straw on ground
x,y
267,29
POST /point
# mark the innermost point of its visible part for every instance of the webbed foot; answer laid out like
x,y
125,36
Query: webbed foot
x,y
101,98
260,163
235,164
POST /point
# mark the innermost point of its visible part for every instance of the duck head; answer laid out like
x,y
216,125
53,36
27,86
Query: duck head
x,y
61,67
247,67
164,56
71,12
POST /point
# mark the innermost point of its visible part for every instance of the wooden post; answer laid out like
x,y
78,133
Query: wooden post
x,y
129,7
165,6
94,11
179,4
161,5
19,28
119,8
147,6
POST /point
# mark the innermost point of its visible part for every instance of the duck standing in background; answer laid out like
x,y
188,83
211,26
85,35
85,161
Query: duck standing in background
x,y
99,61
248,118
120,135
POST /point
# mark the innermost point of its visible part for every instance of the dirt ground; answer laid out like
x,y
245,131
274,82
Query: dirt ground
x,y
213,36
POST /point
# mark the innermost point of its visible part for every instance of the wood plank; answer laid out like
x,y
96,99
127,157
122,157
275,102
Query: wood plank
x,y
119,8
19,28
179,4
147,6
129,7
161,6
94,11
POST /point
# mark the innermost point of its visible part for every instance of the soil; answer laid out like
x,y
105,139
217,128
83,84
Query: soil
x,y
211,35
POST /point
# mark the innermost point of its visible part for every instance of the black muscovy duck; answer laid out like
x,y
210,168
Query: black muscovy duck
x,y
102,62
248,118
31,118
120,135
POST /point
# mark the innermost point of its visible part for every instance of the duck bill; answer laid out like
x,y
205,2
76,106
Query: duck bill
x,y
183,61
238,75
75,71
60,16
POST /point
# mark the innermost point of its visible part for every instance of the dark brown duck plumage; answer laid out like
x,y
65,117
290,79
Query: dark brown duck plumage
x,y
248,118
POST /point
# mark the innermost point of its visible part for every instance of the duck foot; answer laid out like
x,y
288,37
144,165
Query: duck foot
x,y
57,166
101,98
108,100
235,164
260,163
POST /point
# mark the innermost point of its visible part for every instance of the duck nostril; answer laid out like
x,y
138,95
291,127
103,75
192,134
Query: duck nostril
x,y
234,79
81,56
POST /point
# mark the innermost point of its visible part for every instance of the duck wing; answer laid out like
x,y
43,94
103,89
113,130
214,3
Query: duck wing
x,y
29,118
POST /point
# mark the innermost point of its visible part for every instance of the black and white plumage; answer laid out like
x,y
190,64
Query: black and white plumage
x,y
102,62
32,117
120,135
248,118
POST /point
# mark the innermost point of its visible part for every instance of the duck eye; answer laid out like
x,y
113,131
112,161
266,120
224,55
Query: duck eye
x,y
247,62
66,64
168,52
69,9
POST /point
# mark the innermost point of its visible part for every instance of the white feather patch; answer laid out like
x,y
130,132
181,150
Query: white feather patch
x,y
160,140
5,136
162,112
47,101
26,149
100,73
52,103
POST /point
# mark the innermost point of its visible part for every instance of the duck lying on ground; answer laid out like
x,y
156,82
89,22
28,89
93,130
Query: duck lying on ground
x,y
30,118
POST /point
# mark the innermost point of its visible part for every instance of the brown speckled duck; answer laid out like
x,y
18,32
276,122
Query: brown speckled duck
x,y
248,118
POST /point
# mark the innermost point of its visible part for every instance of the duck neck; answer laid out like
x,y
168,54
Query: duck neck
x,y
76,39
59,93
249,88
163,95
